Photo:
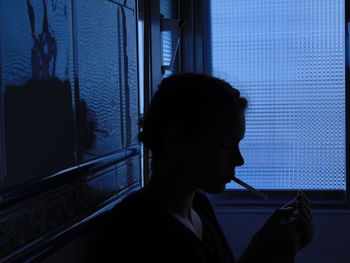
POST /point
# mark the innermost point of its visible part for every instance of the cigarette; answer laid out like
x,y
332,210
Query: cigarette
x,y
250,188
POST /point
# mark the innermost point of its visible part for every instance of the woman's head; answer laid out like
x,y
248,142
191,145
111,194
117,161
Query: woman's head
x,y
196,112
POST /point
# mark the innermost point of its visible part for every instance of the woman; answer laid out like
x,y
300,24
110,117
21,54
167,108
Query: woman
x,y
193,128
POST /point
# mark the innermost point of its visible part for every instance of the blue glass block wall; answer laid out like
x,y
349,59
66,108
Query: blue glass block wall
x,y
287,58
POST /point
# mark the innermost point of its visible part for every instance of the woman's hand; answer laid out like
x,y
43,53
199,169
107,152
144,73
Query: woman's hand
x,y
297,214
288,230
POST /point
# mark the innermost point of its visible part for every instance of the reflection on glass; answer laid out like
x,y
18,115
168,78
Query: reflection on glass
x,y
38,136
107,69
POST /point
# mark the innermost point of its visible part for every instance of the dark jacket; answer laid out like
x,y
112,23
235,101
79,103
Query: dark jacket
x,y
140,229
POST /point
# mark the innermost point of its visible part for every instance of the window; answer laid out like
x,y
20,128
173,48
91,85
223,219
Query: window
x,y
169,37
288,59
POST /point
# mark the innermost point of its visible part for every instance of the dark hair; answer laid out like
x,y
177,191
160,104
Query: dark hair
x,y
192,101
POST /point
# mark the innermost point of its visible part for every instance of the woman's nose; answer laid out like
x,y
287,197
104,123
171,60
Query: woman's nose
x,y
239,160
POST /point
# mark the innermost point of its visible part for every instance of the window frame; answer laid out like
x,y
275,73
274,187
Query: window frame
x,y
330,199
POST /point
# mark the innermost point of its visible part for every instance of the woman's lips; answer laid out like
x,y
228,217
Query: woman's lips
x,y
231,177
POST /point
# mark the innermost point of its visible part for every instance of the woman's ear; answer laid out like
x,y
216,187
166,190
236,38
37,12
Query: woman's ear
x,y
174,139
177,143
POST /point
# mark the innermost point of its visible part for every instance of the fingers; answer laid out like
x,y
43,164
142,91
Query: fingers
x,y
299,221
291,231
300,197
296,232
305,226
286,214
305,211
303,195
292,203
304,202
275,218
304,219
300,201
289,227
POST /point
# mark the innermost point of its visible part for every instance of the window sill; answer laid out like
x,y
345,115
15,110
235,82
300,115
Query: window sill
x,y
242,200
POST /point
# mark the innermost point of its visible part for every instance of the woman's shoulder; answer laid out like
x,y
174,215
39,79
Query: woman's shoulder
x,y
141,209
135,223
141,204
135,203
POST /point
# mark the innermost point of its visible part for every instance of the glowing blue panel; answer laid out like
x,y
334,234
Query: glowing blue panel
x,y
287,58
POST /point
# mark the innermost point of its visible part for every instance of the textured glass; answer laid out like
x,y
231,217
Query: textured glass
x,y
99,72
287,58
107,69
36,90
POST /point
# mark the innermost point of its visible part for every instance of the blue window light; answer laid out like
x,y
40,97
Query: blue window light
x,y
288,59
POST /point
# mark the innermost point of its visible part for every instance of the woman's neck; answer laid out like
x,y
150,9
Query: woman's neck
x,y
172,194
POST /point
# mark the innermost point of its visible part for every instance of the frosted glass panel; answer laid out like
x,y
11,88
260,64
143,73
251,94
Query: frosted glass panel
x,y
108,74
287,58
99,70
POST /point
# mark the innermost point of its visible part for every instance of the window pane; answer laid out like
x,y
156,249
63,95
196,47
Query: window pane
x,y
287,58
168,8
108,74
37,126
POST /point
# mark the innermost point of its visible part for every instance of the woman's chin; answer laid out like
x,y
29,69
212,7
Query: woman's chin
x,y
214,189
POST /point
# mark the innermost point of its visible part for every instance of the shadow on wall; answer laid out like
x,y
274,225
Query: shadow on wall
x,y
40,130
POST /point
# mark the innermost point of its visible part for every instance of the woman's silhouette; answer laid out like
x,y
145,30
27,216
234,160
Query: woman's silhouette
x,y
193,128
